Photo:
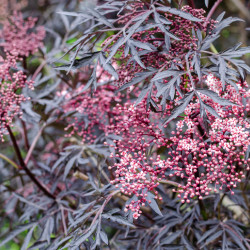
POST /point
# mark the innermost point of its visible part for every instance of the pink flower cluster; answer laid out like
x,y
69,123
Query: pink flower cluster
x,y
146,155
11,84
90,114
19,42
179,27
19,36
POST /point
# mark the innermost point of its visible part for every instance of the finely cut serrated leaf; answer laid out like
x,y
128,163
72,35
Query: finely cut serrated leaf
x,y
164,20
16,232
171,238
84,237
187,243
168,33
28,202
207,234
47,230
215,97
169,87
119,219
78,63
146,46
139,20
235,52
104,237
226,22
211,110
208,40
209,222
247,153
224,242
100,18
180,109
136,56
212,238
141,96
28,238
75,14
236,239
68,166
38,245
108,67
220,17
138,78
81,219
115,47
165,74
153,203
222,70
58,244
180,13
97,235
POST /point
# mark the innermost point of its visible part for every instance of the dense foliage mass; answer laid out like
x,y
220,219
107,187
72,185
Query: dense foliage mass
x,y
122,126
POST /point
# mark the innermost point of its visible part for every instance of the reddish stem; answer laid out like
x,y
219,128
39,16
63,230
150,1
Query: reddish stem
x,y
191,3
24,167
211,12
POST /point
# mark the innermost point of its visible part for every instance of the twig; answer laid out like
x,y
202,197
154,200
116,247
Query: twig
x,y
9,161
24,167
38,70
102,208
81,176
180,3
26,140
211,12
191,3
27,158
63,220
219,206
213,49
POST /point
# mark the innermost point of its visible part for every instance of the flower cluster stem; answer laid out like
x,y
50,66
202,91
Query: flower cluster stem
x,y
213,9
191,3
24,167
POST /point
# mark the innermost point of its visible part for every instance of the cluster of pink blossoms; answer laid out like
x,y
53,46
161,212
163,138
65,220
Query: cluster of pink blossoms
x,y
18,42
10,87
179,27
90,114
18,38
198,159
199,166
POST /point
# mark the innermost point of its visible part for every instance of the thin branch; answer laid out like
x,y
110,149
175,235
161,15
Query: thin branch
x,y
213,9
180,3
101,209
38,70
9,161
26,140
63,220
27,158
191,3
24,167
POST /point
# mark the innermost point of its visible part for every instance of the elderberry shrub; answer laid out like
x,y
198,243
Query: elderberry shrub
x,y
122,127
